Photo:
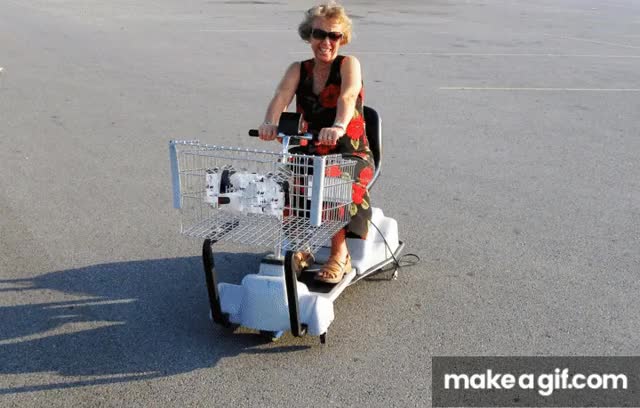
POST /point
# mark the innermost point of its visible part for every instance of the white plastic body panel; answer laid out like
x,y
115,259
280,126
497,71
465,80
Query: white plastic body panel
x,y
365,254
260,301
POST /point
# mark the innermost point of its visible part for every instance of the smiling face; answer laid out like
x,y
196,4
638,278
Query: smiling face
x,y
325,50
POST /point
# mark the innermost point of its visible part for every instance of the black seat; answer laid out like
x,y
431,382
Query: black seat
x,y
374,135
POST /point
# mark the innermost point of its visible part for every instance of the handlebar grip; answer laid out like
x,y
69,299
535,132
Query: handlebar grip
x,y
308,136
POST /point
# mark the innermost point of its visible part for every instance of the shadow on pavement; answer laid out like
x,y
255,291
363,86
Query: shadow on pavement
x,y
136,320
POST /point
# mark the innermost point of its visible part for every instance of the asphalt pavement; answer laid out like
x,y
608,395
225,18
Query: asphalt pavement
x,y
511,164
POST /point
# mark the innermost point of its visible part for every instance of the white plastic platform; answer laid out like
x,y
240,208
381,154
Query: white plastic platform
x,y
260,301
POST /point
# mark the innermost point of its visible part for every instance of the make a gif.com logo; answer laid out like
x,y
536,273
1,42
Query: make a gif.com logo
x,y
544,383
535,381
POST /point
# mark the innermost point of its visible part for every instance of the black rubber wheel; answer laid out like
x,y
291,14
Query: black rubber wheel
x,y
323,338
271,335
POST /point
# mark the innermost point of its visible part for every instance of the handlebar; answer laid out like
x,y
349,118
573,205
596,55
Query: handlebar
x,y
306,136
291,125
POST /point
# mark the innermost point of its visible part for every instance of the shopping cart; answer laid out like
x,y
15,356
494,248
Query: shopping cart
x,y
286,202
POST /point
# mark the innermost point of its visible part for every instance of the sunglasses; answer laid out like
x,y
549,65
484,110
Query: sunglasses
x,y
319,34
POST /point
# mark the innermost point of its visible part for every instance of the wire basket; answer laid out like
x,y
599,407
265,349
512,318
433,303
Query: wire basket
x,y
285,201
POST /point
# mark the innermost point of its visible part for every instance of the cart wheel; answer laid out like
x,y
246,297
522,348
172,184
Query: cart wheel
x,y
271,335
323,338
227,325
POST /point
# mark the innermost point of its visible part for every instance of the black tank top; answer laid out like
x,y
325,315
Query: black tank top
x,y
320,110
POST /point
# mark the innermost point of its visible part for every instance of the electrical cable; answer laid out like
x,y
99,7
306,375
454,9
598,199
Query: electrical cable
x,y
399,262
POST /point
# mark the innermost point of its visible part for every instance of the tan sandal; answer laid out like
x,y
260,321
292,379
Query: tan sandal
x,y
333,270
301,261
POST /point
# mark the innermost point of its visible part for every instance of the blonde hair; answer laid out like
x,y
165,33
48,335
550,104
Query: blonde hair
x,y
331,11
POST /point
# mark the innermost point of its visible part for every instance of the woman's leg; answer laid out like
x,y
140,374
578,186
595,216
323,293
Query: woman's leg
x,y
339,263
339,245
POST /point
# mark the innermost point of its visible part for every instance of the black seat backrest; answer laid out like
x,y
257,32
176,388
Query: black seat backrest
x,y
374,135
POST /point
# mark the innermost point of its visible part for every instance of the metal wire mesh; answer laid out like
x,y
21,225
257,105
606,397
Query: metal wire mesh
x,y
258,198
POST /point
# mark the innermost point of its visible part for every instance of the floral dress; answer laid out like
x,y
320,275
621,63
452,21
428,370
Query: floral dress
x,y
320,111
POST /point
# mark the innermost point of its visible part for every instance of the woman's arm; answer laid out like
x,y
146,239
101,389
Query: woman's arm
x,y
280,101
349,90
351,74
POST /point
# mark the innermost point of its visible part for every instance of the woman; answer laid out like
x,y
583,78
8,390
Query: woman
x,y
329,93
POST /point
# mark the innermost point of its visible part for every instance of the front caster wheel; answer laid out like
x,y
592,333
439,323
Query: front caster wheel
x,y
271,335
323,338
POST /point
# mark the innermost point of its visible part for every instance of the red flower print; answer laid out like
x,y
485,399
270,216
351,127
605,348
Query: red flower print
x,y
357,193
333,171
323,149
365,176
298,186
329,96
361,155
355,128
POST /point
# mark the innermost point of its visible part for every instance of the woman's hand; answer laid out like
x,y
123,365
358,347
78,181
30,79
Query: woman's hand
x,y
267,131
330,135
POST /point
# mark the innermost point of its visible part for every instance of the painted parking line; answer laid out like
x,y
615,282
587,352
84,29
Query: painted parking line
x,y
490,88
63,329
86,303
596,41
217,30
86,381
476,54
